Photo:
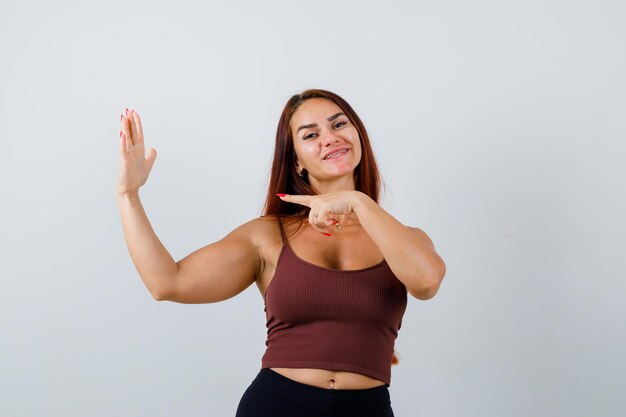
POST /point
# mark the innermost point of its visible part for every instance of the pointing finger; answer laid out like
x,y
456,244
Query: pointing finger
x,y
304,200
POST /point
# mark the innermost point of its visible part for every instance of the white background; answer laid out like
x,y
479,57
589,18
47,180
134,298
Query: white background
x,y
499,128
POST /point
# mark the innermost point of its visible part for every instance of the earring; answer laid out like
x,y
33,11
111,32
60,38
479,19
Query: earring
x,y
299,173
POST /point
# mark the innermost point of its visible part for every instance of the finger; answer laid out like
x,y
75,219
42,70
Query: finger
x,y
315,221
138,127
304,200
126,131
331,221
133,127
321,222
122,146
150,158
341,218
319,225
334,221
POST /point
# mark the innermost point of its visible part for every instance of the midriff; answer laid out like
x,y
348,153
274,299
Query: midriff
x,y
323,378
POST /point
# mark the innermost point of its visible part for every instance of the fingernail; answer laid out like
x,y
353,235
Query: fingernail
x,y
126,111
133,110
120,133
281,195
326,234
121,117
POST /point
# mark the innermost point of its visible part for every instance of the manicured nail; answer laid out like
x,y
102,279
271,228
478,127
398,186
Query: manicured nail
x,y
127,111
120,133
133,110
281,195
326,234
121,117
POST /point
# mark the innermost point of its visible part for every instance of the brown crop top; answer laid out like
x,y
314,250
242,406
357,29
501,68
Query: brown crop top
x,y
332,319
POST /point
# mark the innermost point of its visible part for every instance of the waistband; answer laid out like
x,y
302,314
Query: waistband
x,y
330,401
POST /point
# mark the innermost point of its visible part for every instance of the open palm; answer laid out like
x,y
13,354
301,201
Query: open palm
x,y
135,161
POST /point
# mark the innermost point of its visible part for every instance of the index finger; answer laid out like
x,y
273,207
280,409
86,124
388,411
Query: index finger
x,y
304,200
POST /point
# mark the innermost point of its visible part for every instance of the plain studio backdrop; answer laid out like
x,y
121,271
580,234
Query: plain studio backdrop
x,y
500,131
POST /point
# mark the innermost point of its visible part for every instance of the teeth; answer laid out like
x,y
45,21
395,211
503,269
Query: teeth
x,y
332,155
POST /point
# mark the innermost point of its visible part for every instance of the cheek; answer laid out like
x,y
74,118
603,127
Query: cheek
x,y
304,152
360,155
357,144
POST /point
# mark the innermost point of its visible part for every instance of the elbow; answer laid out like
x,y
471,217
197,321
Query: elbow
x,y
161,288
430,286
425,292
158,296
161,293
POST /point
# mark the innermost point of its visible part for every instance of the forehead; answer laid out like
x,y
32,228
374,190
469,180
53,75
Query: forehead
x,y
314,110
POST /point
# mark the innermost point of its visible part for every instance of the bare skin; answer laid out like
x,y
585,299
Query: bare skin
x,y
249,254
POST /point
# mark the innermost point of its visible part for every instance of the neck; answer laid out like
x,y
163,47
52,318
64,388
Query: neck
x,y
332,186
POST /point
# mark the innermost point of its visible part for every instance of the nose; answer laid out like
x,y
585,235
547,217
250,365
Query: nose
x,y
329,138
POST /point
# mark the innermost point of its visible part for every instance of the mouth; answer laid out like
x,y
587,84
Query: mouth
x,y
335,154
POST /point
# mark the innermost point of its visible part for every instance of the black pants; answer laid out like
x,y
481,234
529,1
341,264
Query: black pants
x,y
273,395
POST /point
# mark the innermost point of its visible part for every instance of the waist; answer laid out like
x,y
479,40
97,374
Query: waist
x,y
329,379
372,401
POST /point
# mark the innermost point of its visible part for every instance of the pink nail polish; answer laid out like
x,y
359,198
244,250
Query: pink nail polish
x,y
281,195
326,234
120,133
121,117
127,111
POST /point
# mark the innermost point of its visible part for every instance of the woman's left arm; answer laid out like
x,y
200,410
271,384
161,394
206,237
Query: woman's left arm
x,y
409,252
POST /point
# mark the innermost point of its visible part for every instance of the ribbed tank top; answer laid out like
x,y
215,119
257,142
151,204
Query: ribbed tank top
x,y
332,319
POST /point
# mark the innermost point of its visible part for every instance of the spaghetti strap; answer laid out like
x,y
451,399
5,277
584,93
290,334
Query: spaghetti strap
x,y
282,231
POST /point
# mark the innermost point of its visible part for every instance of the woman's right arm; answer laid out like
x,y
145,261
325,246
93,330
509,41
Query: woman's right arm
x,y
155,265
213,273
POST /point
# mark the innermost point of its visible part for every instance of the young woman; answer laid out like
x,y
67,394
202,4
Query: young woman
x,y
332,266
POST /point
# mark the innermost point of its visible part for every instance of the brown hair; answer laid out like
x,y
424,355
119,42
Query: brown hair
x,y
284,178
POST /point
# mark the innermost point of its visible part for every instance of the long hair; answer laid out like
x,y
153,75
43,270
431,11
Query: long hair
x,y
285,179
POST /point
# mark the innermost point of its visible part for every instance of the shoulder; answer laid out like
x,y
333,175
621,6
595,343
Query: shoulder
x,y
264,231
261,231
258,229
264,234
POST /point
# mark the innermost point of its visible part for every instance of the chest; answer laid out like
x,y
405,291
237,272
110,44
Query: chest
x,y
345,250
302,292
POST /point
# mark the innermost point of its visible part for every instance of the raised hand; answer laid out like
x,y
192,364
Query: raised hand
x,y
135,161
328,211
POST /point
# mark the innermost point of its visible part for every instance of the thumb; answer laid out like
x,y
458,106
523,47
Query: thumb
x,y
151,155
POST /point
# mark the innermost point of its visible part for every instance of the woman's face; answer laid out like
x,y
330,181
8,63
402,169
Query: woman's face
x,y
327,144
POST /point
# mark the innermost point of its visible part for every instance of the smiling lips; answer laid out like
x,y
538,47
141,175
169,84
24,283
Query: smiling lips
x,y
335,154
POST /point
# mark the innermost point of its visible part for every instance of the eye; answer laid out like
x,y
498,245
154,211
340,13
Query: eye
x,y
339,124
309,136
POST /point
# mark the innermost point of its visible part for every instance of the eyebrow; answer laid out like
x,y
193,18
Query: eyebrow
x,y
330,119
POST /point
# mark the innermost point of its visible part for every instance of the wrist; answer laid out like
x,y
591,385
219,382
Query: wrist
x,y
126,196
361,202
